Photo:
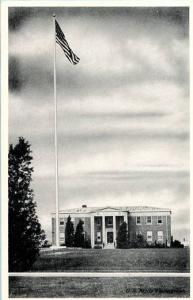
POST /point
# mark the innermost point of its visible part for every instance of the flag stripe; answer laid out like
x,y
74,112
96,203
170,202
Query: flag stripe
x,y
67,53
69,58
62,45
61,40
63,48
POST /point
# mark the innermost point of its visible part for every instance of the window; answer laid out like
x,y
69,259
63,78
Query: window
x,y
159,220
109,221
98,221
160,236
148,220
138,220
98,236
149,236
61,221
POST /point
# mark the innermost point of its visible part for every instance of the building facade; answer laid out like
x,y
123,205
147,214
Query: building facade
x,y
101,224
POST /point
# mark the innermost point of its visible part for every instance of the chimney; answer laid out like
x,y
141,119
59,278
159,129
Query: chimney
x,y
84,206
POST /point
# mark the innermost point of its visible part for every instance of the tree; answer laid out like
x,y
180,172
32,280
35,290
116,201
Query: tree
x,y
122,236
79,235
25,233
69,233
176,244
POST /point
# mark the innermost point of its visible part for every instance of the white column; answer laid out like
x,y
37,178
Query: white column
x,y
104,236
114,230
167,230
125,218
92,231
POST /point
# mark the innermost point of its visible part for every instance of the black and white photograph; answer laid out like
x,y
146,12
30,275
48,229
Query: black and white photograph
x,y
98,151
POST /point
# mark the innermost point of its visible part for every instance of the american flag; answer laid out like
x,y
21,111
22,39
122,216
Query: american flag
x,y
61,40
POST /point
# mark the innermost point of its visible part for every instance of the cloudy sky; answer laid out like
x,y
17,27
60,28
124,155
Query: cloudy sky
x,y
123,111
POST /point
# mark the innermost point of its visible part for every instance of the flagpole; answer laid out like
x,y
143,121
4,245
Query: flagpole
x,y
55,140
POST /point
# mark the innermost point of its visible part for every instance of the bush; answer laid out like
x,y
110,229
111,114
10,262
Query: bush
x,y
176,244
122,236
69,233
140,242
156,245
46,244
79,235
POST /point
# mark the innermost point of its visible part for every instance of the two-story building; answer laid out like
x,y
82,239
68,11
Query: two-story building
x,y
101,224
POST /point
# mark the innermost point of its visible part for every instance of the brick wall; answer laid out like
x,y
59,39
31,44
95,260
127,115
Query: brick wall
x,y
143,228
87,226
75,220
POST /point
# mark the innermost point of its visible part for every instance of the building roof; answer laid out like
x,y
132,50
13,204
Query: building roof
x,y
113,208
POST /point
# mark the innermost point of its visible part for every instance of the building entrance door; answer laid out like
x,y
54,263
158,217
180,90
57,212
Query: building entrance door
x,y
109,237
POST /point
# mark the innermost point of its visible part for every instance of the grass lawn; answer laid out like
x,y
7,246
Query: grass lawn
x,y
98,287
158,260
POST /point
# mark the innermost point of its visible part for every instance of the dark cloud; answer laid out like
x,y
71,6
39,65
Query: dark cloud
x,y
18,16
156,175
38,73
119,116
29,75
177,15
69,141
130,22
126,134
16,78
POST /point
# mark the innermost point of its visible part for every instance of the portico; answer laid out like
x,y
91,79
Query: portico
x,y
104,226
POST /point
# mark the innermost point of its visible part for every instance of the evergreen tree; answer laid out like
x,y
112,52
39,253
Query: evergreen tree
x,y
25,233
122,236
79,235
69,233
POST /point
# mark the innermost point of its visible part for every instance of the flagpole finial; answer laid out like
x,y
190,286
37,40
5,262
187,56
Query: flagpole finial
x,y
54,15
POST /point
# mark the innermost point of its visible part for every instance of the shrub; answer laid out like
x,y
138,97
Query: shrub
x,y
139,242
69,233
79,235
122,236
157,245
176,244
46,244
